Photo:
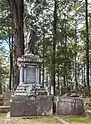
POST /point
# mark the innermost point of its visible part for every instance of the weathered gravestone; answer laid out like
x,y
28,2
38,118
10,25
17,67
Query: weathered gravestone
x,y
30,97
6,97
69,105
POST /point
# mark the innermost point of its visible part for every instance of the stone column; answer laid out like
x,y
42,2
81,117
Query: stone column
x,y
37,75
21,75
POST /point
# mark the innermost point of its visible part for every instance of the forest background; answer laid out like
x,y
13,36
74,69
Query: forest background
x,y
64,42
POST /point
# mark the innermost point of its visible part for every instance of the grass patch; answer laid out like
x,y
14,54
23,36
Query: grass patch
x,y
35,120
77,119
2,118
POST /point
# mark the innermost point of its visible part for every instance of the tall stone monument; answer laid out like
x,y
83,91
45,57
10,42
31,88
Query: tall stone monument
x,y
30,97
30,75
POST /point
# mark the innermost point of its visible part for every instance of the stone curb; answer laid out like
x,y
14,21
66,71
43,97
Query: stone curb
x,y
88,112
4,109
7,119
61,120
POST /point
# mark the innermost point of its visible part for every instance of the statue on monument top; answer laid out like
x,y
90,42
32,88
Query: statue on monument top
x,y
30,37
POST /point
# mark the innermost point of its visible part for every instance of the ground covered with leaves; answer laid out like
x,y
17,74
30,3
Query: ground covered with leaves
x,y
77,119
35,120
47,120
2,118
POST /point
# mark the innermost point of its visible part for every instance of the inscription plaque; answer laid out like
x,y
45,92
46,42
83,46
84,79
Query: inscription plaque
x,y
30,75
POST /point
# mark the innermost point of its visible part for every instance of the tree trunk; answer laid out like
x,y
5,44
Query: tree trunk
x,y
84,75
54,45
58,81
11,60
87,46
17,8
65,60
76,83
43,72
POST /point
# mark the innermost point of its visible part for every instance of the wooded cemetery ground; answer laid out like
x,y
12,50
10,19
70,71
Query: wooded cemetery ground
x,y
47,120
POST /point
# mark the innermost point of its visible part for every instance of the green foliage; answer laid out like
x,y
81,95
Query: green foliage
x,y
70,38
4,70
5,20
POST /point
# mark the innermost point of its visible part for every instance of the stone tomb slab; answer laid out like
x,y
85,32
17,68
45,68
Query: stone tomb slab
x,y
44,105
23,106
31,106
69,105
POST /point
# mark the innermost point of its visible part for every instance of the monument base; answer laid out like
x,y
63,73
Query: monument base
x,y
31,106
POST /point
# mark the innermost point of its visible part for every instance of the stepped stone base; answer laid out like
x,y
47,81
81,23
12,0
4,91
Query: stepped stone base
x,y
30,90
4,109
31,106
1,101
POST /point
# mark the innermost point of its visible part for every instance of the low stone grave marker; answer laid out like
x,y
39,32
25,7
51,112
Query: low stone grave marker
x,y
69,105
7,97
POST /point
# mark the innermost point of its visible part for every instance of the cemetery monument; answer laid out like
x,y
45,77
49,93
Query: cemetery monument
x,y
30,97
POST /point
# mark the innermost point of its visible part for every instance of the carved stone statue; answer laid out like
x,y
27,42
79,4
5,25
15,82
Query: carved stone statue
x,y
30,39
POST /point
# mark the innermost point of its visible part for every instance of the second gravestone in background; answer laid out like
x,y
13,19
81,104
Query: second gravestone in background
x,y
6,97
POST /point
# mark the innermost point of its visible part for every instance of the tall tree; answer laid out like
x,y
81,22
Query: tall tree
x,y
87,46
54,44
17,8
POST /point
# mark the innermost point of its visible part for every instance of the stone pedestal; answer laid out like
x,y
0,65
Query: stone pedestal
x,y
31,106
23,106
44,105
